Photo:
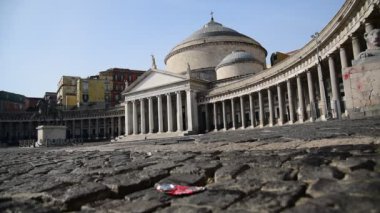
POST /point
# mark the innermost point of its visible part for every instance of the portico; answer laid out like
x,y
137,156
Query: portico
x,y
161,104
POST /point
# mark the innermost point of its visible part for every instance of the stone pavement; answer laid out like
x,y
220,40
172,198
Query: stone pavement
x,y
329,166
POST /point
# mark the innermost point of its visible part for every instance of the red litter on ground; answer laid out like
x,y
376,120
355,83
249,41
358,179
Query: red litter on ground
x,y
174,189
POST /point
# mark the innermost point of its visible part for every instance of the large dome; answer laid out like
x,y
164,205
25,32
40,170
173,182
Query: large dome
x,y
207,47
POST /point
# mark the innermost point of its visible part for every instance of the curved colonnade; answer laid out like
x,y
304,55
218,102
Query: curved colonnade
x,y
306,86
86,125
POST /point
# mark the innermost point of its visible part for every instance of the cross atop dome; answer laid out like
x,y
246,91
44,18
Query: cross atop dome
x,y
212,16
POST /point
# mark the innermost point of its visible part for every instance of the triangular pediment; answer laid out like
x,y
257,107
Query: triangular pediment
x,y
153,79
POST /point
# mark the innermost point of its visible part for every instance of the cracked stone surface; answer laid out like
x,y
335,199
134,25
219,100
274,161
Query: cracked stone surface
x,y
329,166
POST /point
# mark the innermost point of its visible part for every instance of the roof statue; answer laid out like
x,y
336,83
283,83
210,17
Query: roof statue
x,y
373,43
154,65
188,71
212,16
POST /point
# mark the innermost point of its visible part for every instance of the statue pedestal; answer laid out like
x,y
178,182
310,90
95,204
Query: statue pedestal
x,y
45,133
362,87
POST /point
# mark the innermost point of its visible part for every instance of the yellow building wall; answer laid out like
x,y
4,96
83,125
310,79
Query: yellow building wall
x,y
96,90
71,100
93,88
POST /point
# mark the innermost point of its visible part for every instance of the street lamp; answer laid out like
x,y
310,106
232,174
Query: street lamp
x,y
315,36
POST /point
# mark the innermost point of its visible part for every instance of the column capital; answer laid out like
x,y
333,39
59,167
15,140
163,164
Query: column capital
x,y
178,92
158,96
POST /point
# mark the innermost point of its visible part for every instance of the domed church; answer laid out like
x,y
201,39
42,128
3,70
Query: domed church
x,y
163,103
209,46
217,80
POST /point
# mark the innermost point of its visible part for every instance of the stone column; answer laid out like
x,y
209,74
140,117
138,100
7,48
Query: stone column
x,y
290,101
355,46
169,112
322,93
252,111
313,110
73,128
118,126
105,127
270,107
344,64
134,117
179,112
112,127
160,115
81,128
242,112
97,128
126,118
192,111
207,118
335,103
224,115
280,105
301,103
30,130
89,129
215,117
232,114
261,109
151,120
343,58
142,116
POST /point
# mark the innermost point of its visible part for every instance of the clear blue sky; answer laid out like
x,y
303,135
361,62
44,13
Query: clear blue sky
x,y
41,40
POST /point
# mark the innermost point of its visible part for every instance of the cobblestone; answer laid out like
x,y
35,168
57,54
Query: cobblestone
x,y
329,166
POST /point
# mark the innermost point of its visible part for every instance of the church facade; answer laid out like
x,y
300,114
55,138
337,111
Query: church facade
x,y
217,80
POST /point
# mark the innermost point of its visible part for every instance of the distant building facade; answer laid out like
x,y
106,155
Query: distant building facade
x,y
91,92
11,102
67,92
117,78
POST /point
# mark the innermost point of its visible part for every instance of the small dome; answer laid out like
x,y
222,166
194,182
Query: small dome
x,y
238,56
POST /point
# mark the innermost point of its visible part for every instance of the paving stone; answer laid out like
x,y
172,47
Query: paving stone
x,y
265,174
210,199
183,209
353,163
338,203
149,194
361,174
284,187
121,206
229,172
244,185
322,187
20,205
311,173
185,179
123,184
263,202
270,161
77,196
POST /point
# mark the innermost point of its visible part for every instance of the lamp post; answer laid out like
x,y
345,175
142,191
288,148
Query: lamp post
x,y
315,36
